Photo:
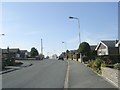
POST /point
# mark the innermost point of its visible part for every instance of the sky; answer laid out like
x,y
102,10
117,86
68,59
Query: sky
x,y
25,23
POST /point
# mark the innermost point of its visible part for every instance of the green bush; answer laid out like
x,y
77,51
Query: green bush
x,y
97,64
8,61
103,65
90,63
117,66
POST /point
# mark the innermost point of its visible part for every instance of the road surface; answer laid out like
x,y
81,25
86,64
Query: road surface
x,y
51,74
42,74
81,76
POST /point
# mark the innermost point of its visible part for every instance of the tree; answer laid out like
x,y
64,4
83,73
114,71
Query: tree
x,y
84,49
93,54
33,52
67,54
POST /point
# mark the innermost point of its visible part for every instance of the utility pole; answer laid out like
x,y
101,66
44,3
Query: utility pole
x,y
41,46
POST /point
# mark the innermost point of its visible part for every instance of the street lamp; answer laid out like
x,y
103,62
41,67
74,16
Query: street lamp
x,y
79,31
65,45
78,25
2,34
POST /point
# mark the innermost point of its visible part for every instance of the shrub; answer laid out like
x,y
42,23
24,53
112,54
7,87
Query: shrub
x,y
98,62
90,63
8,61
103,65
117,66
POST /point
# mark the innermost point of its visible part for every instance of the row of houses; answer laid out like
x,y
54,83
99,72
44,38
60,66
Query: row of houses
x,y
14,52
104,47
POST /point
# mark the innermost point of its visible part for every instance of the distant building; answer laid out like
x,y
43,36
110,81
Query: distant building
x,y
72,54
54,56
24,54
14,52
107,47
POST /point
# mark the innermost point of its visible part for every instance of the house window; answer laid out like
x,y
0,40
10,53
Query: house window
x,y
17,55
102,52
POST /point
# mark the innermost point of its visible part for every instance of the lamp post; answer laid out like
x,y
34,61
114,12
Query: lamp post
x,y
79,33
78,26
65,45
2,34
65,49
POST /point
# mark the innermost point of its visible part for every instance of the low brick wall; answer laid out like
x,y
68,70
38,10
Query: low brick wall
x,y
112,75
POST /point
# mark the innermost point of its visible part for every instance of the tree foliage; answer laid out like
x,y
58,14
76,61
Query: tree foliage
x,y
84,49
33,52
67,51
67,54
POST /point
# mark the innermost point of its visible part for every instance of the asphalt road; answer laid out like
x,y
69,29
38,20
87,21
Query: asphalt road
x,y
42,74
51,74
81,76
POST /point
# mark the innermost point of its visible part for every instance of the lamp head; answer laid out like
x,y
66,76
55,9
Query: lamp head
x,y
71,17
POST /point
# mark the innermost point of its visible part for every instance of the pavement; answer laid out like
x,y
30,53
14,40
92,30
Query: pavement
x,y
81,76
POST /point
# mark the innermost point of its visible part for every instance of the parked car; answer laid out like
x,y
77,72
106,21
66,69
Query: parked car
x,y
47,57
39,57
60,58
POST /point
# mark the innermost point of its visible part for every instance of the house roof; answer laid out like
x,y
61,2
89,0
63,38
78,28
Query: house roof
x,y
107,43
23,51
10,50
117,43
73,51
92,47
14,50
4,51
